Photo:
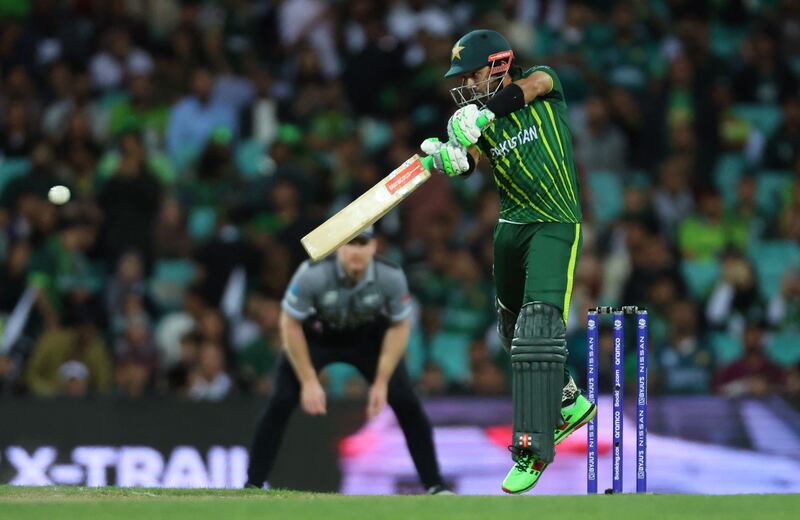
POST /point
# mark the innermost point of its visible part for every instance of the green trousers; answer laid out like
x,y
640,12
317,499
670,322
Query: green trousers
x,y
535,262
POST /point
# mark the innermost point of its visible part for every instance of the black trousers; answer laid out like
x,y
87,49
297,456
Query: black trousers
x,y
360,348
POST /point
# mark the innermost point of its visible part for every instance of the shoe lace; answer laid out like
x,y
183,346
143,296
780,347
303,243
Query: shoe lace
x,y
523,458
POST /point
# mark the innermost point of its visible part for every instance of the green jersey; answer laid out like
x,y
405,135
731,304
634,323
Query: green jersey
x,y
531,155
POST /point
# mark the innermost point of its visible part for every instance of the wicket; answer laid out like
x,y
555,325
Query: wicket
x,y
593,329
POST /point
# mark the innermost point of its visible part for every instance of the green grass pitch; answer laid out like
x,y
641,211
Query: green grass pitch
x,y
26,503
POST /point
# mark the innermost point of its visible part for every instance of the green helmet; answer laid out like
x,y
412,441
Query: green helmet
x,y
475,50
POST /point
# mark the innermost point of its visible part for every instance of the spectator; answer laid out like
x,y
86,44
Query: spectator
x,y
486,377
735,298
142,111
59,262
214,329
19,89
706,234
130,202
673,199
432,381
217,259
783,147
37,183
17,136
685,360
257,359
79,343
259,119
74,380
628,114
119,59
789,218
128,280
753,374
650,262
194,118
172,238
13,275
783,311
178,372
208,381
136,359
601,146
468,308
78,133
309,21
61,88
176,325
765,77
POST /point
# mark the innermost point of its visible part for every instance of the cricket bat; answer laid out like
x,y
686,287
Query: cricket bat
x,y
372,205
367,209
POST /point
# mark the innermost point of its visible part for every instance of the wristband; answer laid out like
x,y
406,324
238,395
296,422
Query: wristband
x,y
508,100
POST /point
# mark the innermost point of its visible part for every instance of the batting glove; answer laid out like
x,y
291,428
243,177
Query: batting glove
x,y
448,158
462,128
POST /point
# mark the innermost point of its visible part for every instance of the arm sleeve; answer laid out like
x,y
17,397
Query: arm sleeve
x,y
398,299
558,90
298,301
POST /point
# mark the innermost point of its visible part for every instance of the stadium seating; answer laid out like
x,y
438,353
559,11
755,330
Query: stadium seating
x,y
201,222
765,118
169,281
771,260
728,170
727,348
10,169
771,186
784,348
725,41
606,195
700,276
250,156
451,352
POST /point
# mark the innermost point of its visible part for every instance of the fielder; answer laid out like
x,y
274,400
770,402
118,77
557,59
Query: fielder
x,y
351,307
537,240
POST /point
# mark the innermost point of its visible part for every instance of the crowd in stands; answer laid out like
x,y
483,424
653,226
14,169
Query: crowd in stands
x,y
202,139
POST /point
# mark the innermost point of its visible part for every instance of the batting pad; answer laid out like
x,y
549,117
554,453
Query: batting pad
x,y
538,355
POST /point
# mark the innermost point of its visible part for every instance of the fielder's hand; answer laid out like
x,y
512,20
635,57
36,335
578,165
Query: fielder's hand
x,y
448,158
376,400
312,398
466,124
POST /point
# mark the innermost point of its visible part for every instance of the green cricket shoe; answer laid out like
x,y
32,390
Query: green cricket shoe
x,y
525,473
527,469
574,416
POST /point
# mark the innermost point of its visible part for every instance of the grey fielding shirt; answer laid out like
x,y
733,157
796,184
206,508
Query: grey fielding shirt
x,y
323,289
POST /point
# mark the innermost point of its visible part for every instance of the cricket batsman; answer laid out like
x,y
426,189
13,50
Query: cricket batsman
x,y
518,120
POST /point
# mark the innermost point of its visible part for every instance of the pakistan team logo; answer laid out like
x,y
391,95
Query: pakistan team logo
x,y
455,54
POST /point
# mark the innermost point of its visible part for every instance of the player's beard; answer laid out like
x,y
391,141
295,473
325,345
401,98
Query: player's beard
x,y
479,92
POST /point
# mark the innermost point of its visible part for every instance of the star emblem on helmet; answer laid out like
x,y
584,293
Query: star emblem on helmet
x,y
456,54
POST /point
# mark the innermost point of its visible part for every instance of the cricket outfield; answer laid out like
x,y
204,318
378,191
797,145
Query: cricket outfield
x,y
27,503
